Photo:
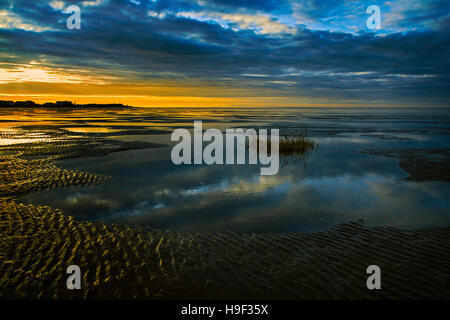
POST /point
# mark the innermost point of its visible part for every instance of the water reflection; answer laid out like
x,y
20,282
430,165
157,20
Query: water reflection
x,y
337,183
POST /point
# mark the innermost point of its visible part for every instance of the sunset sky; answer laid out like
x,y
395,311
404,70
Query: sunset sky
x,y
223,53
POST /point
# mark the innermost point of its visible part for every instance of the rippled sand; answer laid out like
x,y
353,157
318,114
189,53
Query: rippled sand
x,y
38,243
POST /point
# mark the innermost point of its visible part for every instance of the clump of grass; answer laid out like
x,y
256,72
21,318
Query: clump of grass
x,y
292,146
297,144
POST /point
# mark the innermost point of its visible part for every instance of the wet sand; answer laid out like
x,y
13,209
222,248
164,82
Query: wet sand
x,y
421,164
119,262
38,243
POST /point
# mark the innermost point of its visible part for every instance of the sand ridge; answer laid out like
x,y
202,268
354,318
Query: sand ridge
x,y
423,164
38,243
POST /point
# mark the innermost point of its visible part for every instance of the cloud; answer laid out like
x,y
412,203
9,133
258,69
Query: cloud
x,y
251,47
94,3
38,73
57,5
9,20
261,24
404,15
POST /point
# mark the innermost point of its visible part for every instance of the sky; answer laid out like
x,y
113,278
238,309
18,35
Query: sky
x,y
227,53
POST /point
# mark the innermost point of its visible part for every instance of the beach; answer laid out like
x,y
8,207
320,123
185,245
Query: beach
x,y
120,259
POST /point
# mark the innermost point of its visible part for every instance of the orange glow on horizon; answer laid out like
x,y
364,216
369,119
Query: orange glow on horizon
x,y
167,94
172,101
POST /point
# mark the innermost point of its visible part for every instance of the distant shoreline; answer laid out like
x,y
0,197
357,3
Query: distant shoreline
x,y
70,105
61,104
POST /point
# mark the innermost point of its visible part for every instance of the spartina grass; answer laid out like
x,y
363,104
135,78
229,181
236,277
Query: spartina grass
x,y
296,144
292,146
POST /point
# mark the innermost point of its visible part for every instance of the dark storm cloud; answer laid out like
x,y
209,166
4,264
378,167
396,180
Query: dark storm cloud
x,y
121,38
268,5
430,14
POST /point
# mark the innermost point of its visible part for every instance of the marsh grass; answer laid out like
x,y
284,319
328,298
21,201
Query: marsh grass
x,y
297,144
294,147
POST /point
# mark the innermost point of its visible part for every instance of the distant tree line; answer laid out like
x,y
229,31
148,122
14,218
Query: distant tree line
x,y
57,104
